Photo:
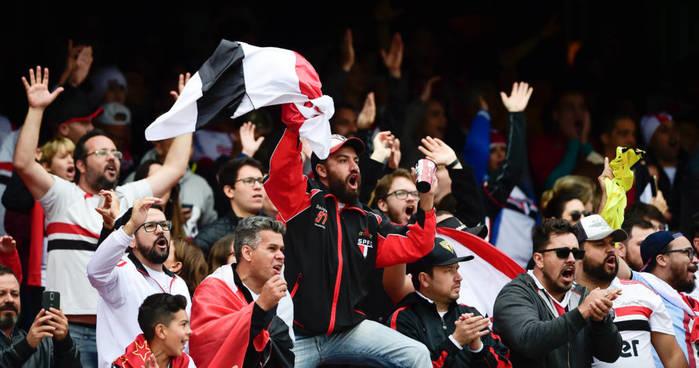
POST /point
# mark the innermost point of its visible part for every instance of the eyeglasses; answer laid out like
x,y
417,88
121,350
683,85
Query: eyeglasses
x,y
403,194
563,253
104,152
577,215
250,181
150,227
689,252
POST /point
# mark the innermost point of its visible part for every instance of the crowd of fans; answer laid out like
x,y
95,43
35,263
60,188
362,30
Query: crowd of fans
x,y
237,246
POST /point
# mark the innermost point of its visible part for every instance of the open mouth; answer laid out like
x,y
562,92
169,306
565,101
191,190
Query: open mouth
x,y
610,261
277,269
161,242
70,170
409,210
353,181
568,274
258,196
110,169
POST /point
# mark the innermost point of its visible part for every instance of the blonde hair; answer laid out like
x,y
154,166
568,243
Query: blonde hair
x,y
51,148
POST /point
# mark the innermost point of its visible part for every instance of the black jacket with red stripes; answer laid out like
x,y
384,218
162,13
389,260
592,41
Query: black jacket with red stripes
x,y
417,317
331,248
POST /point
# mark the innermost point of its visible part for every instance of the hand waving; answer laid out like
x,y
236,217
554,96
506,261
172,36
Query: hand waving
x,y
83,62
184,78
393,58
438,151
367,116
247,139
347,51
518,98
37,88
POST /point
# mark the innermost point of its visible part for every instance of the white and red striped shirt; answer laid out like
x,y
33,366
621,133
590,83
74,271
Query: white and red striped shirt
x,y
638,311
73,228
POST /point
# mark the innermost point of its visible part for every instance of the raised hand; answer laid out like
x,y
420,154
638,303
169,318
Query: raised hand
x,y
426,94
247,139
606,174
83,63
109,210
395,155
37,89
367,116
393,58
272,292
7,244
139,212
382,143
347,51
183,79
39,329
518,98
438,151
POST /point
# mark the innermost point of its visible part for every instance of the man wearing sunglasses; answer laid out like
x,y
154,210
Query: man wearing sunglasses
x,y
640,315
126,269
544,318
669,267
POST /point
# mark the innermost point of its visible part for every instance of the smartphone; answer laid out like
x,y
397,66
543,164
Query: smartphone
x,y
51,299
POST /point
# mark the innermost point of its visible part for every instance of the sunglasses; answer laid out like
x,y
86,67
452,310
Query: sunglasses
x,y
577,215
563,253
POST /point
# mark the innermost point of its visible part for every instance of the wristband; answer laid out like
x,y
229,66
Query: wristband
x,y
453,163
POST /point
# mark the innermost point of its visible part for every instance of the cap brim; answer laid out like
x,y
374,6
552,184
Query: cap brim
x,y
617,235
353,142
455,260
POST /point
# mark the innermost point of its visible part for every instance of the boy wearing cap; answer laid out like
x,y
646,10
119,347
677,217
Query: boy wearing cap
x,y
456,335
669,264
332,245
640,315
544,318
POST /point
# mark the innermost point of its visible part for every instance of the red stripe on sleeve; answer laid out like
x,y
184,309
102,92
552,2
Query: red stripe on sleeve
x,y
394,319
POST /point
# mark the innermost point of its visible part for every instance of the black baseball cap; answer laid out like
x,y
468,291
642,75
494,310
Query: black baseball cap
x,y
442,254
654,244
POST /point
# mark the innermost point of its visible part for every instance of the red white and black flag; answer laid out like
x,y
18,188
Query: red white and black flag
x,y
239,78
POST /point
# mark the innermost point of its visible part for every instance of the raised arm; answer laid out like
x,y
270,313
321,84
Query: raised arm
x,y
286,186
174,166
504,179
37,179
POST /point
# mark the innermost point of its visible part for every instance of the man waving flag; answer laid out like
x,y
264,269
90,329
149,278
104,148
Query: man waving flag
x,y
239,78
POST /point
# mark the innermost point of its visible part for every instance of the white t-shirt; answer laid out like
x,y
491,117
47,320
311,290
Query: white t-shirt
x,y
638,311
122,289
73,228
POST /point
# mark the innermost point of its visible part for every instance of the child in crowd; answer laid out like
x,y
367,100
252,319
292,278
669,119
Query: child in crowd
x,y
165,327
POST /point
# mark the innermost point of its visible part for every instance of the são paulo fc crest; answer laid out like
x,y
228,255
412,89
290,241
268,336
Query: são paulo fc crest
x,y
364,242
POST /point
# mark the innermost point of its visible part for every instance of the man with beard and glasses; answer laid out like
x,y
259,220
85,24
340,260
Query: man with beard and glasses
x,y
548,321
332,245
640,315
46,344
72,225
669,265
123,281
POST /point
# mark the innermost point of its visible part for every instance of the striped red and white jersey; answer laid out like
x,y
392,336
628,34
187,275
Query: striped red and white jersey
x,y
73,228
638,311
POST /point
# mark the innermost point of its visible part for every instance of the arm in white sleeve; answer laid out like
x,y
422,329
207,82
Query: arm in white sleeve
x,y
102,268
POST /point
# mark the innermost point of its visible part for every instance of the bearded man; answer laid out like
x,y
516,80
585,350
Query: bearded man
x,y
124,279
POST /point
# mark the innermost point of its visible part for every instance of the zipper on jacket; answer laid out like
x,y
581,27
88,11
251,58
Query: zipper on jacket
x,y
338,277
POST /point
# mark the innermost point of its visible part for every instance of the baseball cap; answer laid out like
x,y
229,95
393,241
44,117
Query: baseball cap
x,y
442,254
654,245
336,142
594,227
70,106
